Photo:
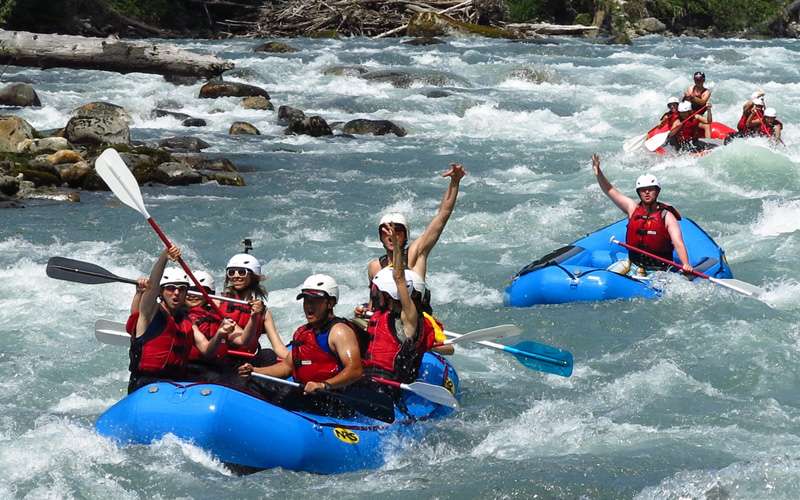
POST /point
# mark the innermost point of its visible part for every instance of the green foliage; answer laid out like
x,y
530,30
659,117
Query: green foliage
x,y
149,11
724,15
6,6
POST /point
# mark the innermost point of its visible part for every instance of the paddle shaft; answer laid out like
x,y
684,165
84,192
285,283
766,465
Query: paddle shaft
x,y
134,282
514,350
660,259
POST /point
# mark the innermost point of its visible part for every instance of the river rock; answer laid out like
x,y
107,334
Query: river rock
x,y
315,126
435,93
13,131
534,75
222,178
212,90
45,145
64,156
288,114
344,70
176,174
99,123
404,79
275,48
185,80
159,113
651,25
423,40
186,143
243,128
257,102
74,174
9,185
40,175
431,24
19,94
374,127
193,122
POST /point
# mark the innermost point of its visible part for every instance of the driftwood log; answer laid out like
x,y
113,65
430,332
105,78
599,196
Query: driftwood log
x,y
21,48
552,29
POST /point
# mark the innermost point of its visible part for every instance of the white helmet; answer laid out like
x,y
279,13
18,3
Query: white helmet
x,y
394,218
174,276
647,180
758,101
770,112
684,107
318,285
205,279
417,282
757,94
384,280
673,100
246,261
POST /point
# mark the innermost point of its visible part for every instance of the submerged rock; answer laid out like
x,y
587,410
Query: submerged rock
x,y
423,40
288,114
243,128
257,102
159,113
315,126
344,70
534,75
275,48
374,127
212,90
99,123
405,79
193,122
186,143
19,94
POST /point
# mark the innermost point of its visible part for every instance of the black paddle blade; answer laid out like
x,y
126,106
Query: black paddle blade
x,y
368,402
76,271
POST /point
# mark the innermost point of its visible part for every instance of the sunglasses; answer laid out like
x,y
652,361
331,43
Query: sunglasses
x,y
175,288
672,105
234,272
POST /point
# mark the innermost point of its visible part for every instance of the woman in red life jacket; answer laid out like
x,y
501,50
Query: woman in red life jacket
x,y
243,282
325,352
772,126
672,112
752,124
207,358
652,226
686,129
698,96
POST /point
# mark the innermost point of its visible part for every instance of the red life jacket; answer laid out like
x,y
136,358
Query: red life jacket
x,y
311,355
130,325
207,321
240,314
669,117
386,356
689,130
770,129
648,231
742,125
164,347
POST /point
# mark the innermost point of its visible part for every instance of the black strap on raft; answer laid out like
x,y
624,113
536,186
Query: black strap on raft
x,y
552,259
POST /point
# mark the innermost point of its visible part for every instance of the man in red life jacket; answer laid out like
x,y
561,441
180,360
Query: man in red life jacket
x,y
698,96
325,351
652,226
686,129
162,337
772,126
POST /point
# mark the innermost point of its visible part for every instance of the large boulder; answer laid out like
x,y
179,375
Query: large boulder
x,y
651,25
212,90
257,102
431,24
64,156
243,128
374,127
19,94
176,174
14,131
74,174
99,123
275,48
186,143
288,114
315,126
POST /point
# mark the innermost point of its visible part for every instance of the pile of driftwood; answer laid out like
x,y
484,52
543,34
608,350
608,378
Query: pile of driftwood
x,y
373,18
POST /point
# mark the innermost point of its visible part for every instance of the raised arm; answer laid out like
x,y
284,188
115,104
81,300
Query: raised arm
x,y
408,314
141,285
420,248
148,304
624,203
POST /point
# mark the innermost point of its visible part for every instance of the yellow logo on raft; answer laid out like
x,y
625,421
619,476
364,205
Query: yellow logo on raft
x,y
450,386
345,435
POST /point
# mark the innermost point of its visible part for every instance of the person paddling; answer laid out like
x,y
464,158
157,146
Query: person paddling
x,y
652,225
671,115
697,94
162,336
772,126
687,128
325,352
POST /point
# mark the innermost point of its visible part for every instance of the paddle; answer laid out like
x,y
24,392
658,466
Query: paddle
x,y
493,332
634,143
660,138
431,392
113,333
76,271
112,169
536,356
380,406
736,285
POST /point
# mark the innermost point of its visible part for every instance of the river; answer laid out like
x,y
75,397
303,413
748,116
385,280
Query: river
x,y
693,395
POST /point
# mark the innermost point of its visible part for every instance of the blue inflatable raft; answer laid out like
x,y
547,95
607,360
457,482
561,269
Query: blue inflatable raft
x,y
252,434
577,272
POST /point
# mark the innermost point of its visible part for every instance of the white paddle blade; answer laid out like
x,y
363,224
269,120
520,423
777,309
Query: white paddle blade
x,y
634,143
435,393
656,141
740,286
115,173
494,332
111,332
